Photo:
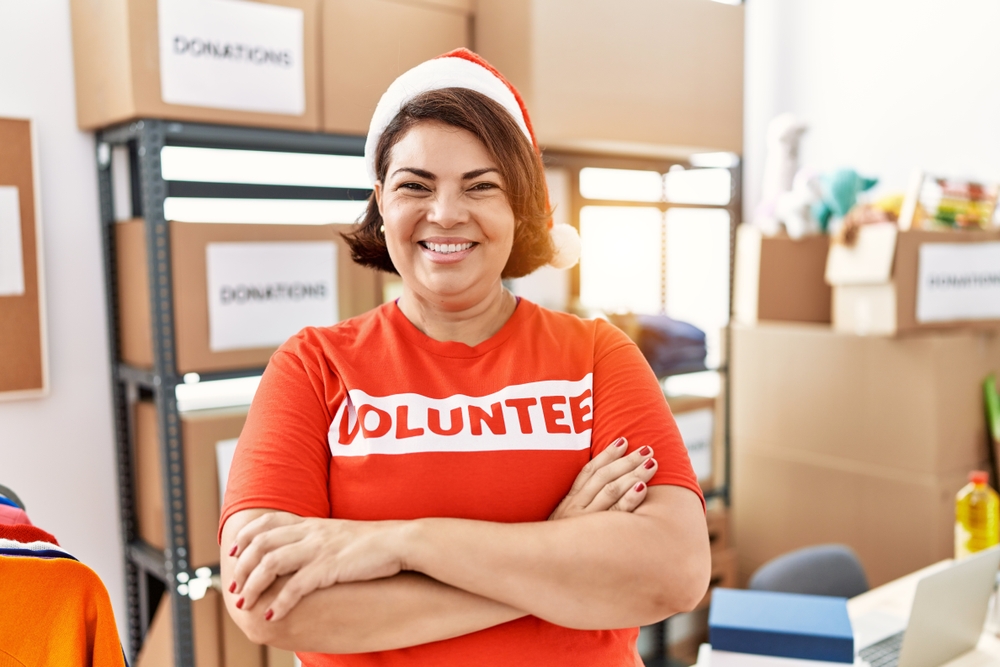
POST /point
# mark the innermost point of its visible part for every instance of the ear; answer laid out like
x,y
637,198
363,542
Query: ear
x,y
378,196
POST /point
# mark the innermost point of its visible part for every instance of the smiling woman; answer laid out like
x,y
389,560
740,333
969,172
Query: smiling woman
x,y
460,477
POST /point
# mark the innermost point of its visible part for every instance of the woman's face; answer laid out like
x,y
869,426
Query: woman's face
x,y
448,225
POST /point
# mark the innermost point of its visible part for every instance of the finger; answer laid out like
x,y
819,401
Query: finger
x,y
594,489
259,525
262,544
299,585
284,560
612,452
632,498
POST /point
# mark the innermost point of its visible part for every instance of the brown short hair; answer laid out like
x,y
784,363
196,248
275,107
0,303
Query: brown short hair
x,y
520,168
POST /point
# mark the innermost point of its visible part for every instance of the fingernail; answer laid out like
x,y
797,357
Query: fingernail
x,y
639,487
621,442
645,451
269,615
232,587
239,603
232,552
648,465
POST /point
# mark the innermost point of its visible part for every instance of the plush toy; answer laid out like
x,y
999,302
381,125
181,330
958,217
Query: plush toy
x,y
794,208
839,191
781,162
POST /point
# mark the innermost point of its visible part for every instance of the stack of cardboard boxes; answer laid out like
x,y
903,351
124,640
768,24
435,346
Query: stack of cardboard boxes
x,y
862,431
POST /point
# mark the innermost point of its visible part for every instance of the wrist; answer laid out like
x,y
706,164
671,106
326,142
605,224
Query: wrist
x,y
410,537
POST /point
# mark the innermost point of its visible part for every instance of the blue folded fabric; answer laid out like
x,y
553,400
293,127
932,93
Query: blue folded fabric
x,y
670,345
787,625
4,500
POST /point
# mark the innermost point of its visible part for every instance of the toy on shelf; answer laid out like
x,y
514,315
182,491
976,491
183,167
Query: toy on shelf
x,y
781,163
839,192
934,202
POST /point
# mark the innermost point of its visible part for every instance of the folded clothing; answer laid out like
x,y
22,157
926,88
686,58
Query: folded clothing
x,y
670,345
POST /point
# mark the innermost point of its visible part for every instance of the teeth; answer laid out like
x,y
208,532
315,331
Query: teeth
x,y
447,248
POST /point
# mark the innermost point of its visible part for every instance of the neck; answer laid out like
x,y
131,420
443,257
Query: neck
x,y
471,325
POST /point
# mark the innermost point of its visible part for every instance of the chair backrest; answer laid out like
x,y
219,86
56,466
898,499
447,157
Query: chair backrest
x,y
824,569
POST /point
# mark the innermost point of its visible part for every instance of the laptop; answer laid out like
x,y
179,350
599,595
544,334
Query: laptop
x,y
946,619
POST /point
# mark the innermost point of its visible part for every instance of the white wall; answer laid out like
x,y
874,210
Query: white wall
x,y
57,453
886,85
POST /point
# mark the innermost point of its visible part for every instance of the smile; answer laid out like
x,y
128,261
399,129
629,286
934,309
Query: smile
x,y
446,248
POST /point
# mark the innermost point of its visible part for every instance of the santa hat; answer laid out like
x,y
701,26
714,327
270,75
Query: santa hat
x,y
462,68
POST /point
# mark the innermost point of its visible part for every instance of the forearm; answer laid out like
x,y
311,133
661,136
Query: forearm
x,y
599,571
404,610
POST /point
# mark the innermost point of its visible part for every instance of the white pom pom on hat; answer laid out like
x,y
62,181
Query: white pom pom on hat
x,y
462,68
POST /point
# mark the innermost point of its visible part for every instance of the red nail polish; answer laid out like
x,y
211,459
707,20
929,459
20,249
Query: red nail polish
x,y
621,442
639,487
232,552
232,587
239,603
269,615
645,451
648,465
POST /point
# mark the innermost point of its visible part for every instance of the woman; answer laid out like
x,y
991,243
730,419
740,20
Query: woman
x,y
388,500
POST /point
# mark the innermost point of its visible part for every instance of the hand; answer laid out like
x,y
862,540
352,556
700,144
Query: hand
x,y
609,481
317,553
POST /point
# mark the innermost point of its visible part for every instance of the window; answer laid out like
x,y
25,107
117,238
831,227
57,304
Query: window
x,y
656,237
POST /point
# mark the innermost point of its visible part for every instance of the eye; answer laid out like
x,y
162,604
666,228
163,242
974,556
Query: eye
x,y
485,186
410,185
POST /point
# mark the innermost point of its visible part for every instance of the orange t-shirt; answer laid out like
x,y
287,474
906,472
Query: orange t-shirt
x,y
371,419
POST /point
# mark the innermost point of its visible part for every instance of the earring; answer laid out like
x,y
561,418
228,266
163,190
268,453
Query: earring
x,y
382,229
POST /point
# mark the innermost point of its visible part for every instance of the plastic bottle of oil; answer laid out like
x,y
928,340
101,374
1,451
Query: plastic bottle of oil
x,y
977,516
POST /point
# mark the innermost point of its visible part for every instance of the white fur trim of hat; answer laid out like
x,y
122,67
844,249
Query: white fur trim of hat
x,y
462,68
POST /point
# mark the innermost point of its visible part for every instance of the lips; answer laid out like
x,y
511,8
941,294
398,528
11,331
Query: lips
x,y
447,250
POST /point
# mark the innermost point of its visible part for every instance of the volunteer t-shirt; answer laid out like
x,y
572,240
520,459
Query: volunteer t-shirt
x,y
371,419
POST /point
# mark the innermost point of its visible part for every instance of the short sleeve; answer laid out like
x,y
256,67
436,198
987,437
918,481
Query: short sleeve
x,y
629,402
282,460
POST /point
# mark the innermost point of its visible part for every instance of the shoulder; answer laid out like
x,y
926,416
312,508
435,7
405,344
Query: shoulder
x,y
313,345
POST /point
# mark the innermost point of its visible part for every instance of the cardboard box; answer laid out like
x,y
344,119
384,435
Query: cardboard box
x,y
896,523
221,62
277,657
780,279
158,644
698,420
858,440
897,282
912,405
584,98
358,290
368,43
237,650
200,432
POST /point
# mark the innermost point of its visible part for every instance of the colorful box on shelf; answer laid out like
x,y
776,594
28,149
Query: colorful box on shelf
x,y
787,625
213,61
894,282
240,290
780,279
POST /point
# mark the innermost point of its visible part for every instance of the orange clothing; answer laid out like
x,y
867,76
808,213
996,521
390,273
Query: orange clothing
x,y
371,419
55,612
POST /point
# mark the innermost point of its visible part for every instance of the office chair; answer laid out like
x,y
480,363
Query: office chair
x,y
824,569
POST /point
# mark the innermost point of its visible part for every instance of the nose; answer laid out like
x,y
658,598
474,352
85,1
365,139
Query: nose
x,y
447,209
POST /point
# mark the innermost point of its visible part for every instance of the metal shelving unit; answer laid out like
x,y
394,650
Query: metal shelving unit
x,y
148,570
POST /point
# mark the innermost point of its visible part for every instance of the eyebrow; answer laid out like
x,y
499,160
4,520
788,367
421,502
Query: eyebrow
x,y
469,175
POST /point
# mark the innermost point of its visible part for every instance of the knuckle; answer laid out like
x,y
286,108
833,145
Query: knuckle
x,y
588,469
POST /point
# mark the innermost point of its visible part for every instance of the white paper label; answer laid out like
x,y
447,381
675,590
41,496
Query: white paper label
x,y
259,294
11,250
232,54
696,430
224,451
958,281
